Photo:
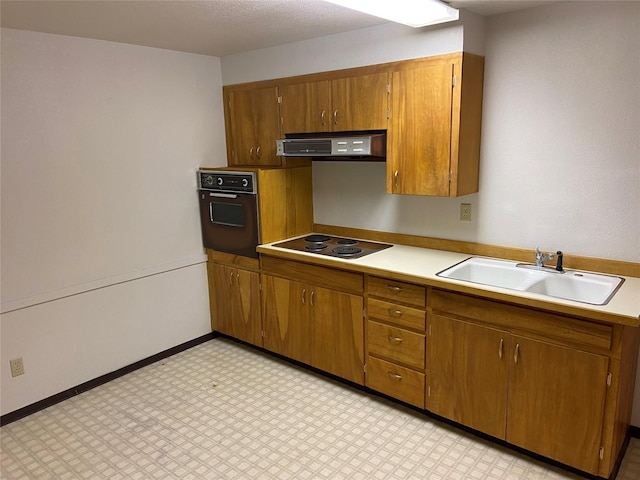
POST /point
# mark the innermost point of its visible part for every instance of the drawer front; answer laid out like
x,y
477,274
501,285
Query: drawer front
x,y
396,344
399,314
397,382
397,291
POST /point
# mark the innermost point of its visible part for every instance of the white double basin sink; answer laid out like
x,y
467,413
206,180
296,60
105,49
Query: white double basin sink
x,y
585,287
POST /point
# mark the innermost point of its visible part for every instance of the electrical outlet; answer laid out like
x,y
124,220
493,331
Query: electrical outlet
x,y
17,367
465,212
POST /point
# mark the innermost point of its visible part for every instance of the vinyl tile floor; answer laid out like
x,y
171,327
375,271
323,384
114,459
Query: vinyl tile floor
x,y
221,410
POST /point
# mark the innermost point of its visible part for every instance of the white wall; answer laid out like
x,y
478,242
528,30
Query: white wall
x,y
560,159
102,260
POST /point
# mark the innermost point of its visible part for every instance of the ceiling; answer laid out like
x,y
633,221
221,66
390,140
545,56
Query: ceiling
x,y
209,27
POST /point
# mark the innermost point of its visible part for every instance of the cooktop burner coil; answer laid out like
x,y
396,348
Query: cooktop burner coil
x,y
347,241
317,238
315,247
346,251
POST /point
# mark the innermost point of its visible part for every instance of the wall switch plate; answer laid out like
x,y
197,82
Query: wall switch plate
x,y
17,367
465,212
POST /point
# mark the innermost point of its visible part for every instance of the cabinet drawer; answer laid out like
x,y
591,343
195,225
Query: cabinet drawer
x,y
396,344
394,313
397,291
397,382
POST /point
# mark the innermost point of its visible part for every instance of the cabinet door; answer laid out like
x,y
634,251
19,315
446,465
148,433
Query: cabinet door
x,y
285,316
467,374
337,343
246,317
556,402
306,107
254,119
237,303
360,102
222,292
419,136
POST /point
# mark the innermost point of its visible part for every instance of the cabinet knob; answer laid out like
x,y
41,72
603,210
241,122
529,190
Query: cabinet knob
x,y
394,288
393,339
394,312
394,376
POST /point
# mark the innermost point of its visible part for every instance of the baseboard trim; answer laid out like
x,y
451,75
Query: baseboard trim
x,y
83,387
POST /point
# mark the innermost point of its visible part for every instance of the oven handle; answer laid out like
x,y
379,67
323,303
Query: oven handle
x,y
223,195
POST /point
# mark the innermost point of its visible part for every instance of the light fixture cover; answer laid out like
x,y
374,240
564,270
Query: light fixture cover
x,y
415,13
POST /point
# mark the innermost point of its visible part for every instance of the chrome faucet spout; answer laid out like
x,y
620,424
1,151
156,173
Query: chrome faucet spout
x,y
541,257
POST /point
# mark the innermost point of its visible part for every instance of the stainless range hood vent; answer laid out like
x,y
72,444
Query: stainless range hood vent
x,y
361,146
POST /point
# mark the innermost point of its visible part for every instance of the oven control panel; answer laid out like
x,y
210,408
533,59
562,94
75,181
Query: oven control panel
x,y
226,181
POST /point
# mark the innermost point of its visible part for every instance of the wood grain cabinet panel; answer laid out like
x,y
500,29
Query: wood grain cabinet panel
x,y
252,121
397,292
467,368
396,344
235,295
402,383
556,402
434,130
318,326
350,103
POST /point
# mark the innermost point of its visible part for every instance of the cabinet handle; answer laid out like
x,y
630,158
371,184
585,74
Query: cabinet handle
x,y
231,278
394,376
304,294
393,339
258,152
394,288
335,117
501,348
322,117
516,353
394,312
251,153
395,179
237,279
313,292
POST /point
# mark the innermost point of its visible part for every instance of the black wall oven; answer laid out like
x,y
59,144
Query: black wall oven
x,y
229,211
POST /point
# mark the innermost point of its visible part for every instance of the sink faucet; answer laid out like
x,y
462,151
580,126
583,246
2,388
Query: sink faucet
x,y
542,257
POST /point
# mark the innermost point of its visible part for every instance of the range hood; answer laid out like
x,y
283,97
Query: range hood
x,y
339,146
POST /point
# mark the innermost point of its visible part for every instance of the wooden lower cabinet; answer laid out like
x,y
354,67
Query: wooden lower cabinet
x,y
467,366
235,302
556,402
548,383
318,326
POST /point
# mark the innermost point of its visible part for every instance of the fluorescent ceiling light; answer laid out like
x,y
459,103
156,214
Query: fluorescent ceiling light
x,y
415,13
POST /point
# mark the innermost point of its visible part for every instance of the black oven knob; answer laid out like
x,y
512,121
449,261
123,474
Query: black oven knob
x,y
207,180
245,182
220,181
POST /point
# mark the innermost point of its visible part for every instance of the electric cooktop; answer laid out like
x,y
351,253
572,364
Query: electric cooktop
x,y
332,246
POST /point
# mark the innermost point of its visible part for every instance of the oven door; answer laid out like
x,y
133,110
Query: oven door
x,y
230,222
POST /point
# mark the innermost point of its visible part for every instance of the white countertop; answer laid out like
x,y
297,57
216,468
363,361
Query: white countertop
x,y
421,265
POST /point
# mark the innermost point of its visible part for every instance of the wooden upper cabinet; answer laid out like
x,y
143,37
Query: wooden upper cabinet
x,y
251,117
306,107
350,103
360,102
434,131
